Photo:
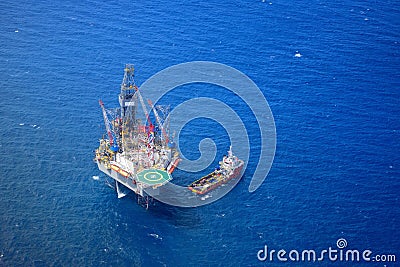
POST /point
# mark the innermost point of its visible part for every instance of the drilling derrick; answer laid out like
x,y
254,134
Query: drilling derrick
x,y
128,103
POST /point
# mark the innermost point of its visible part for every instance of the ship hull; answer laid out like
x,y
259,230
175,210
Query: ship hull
x,y
128,182
203,190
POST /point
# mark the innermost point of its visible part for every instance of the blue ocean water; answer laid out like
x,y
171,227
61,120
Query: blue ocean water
x,y
336,172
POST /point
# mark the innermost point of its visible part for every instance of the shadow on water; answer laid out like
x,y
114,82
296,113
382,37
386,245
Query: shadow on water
x,y
157,211
178,216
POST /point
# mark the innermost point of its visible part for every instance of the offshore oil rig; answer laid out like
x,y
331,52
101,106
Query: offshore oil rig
x,y
138,154
141,155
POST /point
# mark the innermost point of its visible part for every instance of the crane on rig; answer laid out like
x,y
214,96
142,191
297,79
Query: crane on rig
x,y
158,119
111,137
146,113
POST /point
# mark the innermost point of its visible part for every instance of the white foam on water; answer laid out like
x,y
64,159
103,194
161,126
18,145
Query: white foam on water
x,y
205,197
120,192
156,236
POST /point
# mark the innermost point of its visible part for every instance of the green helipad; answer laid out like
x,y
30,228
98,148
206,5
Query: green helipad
x,y
153,176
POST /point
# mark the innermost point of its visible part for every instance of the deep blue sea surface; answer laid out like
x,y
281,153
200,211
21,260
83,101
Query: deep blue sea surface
x,y
336,172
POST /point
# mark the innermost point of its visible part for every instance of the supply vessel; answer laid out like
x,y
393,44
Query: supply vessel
x,y
229,168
